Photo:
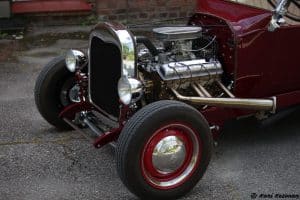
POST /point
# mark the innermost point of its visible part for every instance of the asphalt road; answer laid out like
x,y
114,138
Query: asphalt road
x,y
38,162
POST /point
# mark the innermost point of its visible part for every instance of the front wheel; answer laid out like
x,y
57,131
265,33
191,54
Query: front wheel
x,y
55,89
164,150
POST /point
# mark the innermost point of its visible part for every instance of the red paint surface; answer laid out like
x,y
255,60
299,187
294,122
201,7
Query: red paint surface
x,y
50,6
107,137
270,57
150,149
70,111
261,63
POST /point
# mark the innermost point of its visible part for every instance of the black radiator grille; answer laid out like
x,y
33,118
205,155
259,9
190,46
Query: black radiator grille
x,y
105,71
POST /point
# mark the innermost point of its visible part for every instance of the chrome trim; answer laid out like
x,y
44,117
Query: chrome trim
x,y
168,154
191,165
80,59
255,104
281,7
171,33
275,105
106,39
128,53
74,94
197,90
115,33
278,14
189,69
203,90
136,89
225,89
136,85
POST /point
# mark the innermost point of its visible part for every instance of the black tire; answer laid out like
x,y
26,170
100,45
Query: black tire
x,y
139,130
47,91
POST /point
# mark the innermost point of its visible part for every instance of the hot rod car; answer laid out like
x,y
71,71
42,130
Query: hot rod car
x,y
162,104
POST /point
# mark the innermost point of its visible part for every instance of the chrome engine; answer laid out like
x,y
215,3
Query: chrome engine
x,y
183,58
189,69
186,55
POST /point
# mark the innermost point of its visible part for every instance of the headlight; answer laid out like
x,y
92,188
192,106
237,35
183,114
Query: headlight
x,y
74,59
127,87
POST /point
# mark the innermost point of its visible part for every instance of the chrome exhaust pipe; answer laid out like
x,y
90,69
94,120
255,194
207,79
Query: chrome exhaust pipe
x,y
252,104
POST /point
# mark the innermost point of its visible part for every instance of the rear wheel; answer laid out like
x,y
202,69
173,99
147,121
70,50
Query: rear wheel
x,y
55,89
164,150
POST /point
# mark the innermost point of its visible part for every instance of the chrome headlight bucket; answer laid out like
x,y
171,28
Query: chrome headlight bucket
x,y
129,90
75,59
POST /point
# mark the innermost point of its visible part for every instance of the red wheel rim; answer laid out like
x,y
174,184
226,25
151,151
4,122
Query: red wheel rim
x,y
171,156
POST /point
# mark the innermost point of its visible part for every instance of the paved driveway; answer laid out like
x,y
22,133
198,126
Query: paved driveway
x,y
38,162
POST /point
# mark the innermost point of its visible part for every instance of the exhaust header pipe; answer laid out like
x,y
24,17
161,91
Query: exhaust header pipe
x,y
252,104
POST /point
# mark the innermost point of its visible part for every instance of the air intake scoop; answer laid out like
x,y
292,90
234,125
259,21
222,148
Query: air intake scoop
x,y
177,33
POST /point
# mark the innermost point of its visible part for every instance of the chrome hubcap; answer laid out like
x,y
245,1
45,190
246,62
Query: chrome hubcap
x,y
69,92
168,154
74,94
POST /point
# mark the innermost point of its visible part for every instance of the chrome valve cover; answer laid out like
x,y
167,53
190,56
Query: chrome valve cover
x,y
189,69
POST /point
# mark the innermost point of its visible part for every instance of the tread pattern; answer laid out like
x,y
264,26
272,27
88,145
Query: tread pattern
x,y
51,68
41,77
135,122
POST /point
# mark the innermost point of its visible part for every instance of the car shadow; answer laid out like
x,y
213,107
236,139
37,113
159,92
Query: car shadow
x,y
249,130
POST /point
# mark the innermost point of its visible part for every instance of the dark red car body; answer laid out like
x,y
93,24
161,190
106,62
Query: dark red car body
x,y
262,63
